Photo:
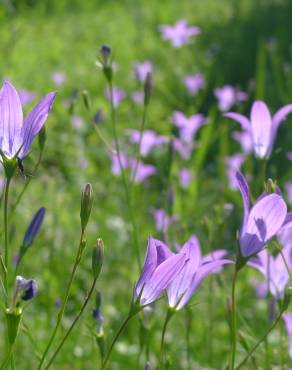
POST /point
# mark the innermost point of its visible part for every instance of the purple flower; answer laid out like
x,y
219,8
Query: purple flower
x,y
274,270
188,126
233,164
116,168
185,149
149,140
227,96
143,171
137,97
261,127
194,83
26,97
196,268
179,34
287,317
16,134
160,267
285,235
118,96
289,156
59,78
77,122
185,177
33,228
288,188
260,223
28,287
245,140
163,220
141,70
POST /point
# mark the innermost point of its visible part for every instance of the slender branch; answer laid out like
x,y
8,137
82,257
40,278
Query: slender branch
x,y
167,319
6,249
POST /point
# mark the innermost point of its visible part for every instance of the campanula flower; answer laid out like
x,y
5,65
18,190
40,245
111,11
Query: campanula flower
x,y
179,34
118,96
245,141
16,133
160,267
149,140
27,287
141,70
163,220
184,149
188,126
262,127
185,178
227,96
287,317
194,83
274,270
260,222
196,268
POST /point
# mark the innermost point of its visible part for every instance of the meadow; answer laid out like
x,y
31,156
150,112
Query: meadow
x,y
145,200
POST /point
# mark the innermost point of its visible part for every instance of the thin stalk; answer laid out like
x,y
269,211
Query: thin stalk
x,y
6,249
260,341
162,341
116,337
65,300
7,359
87,299
233,321
124,179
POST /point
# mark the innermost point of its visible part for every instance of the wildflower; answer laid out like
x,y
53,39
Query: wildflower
x,y
261,127
163,220
188,126
260,223
233,164
227,96
194,83
184,149
17,134
160,267
118,95
274,270
185,177
149,140
287,317
143,171
28,287
179,34
245,141
142,69
118,162
196,268
289,156
59,78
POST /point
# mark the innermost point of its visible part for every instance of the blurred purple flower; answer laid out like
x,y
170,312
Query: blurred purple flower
x,y
17,134
77,122
116,168
179,34
143,171
288,189
227,96
149,140
185,177
160,267
137,97
261,127
188,126
194,83
141,70
185,149
260,223
233,165
163,220
289,156
287,317
261,288
118,96
59,78
195,270
245,140
26,96
274,270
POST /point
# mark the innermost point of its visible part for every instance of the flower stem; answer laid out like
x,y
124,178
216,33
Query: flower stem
x,y
233,321
6,249
64,304
87,299
167,318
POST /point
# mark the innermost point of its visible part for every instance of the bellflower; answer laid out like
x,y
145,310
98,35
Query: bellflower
x,y
188,126
16,133
287,317
194,83
245,141
143,170
195,270
118,96
28,287
261,126
185,178
289,156
184,149
274,270
163,220
160,267
179,34
261,222
149,140
141,70
227,96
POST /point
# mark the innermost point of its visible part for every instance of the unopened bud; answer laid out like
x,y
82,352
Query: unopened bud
x,y
86,99
105,59
147,88
97,258
270,186
42,138
33,229
86,205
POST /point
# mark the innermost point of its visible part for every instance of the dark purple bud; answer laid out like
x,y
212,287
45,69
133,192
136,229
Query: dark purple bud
x,y
105,52
33,229
27,286
98,117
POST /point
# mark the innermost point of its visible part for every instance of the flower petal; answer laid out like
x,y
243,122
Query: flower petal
x,y
281,115
244,122
244,190
35,121
261,123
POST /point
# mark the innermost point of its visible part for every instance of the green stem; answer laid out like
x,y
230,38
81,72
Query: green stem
x,y
6,249
65,300
260,341
162,341
116,337
87,299
233,321
7,359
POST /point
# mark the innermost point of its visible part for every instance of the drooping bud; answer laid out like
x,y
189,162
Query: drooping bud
x,y
27,286
31,232
86,205
97,258
42,138
147,88
105,61
86,99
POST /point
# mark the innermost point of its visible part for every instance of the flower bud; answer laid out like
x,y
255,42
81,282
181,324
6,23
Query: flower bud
x,y
105,59
86,99
86,205
27,286
105,52
97,258
147,88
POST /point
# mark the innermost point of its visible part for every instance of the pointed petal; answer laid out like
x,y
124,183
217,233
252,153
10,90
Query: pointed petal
x,y
35,121
244,190
281,115
261,123
162,277
244,122
213,256
203,271
11,119
264,221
